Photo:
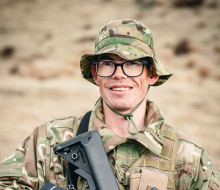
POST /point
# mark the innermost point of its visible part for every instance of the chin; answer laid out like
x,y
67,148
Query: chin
x,y
122,109
121,106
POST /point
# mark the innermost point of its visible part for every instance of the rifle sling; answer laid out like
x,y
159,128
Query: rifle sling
x,y
84,124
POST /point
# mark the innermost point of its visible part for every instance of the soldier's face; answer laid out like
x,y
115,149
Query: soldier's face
x,y
119,91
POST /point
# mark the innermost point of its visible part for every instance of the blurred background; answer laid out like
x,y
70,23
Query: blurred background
x,y
41,43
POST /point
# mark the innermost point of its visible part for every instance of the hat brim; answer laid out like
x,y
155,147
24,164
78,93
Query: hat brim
x,y
127,52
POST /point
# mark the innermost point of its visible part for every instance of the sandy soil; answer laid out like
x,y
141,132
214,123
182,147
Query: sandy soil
x,y
41,44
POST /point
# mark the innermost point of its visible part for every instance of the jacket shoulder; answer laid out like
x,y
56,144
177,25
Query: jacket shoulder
x,y
63,128
61,122
189,151
183,137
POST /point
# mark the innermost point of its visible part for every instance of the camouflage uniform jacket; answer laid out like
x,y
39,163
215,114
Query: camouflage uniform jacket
x,y
33,163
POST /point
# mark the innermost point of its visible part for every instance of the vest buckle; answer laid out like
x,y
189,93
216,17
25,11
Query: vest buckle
x,y
126,180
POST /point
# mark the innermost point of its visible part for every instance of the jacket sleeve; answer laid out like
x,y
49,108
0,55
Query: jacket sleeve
x,y
208,177
24,168
194,169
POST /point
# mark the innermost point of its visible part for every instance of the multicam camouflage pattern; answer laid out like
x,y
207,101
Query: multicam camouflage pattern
x,y
33,163
128,39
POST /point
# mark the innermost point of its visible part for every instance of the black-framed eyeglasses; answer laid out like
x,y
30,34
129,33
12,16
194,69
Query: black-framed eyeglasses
x,y
131,68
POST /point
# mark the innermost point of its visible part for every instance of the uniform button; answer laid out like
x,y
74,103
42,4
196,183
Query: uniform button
x,y
153,188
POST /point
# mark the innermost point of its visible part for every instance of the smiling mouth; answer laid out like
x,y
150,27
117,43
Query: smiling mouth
x,y
120,89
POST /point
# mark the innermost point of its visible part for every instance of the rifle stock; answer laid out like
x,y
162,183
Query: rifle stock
x,y
87,158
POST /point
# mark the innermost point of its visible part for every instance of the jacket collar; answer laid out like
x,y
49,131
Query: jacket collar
x,y
151,137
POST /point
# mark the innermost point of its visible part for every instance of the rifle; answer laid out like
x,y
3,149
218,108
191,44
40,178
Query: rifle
x,y
87,158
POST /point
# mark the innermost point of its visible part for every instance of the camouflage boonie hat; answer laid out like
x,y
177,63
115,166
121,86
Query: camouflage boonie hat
x,y
128,39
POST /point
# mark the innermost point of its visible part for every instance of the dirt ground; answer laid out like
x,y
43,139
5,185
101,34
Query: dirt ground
x,y
41,43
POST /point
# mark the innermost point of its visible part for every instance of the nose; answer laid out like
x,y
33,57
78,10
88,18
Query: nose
x,y
119,74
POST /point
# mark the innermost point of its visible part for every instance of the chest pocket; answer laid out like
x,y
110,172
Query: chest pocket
x,y
148,180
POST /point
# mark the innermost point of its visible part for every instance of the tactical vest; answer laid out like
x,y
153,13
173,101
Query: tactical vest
x,y
153,172
149,172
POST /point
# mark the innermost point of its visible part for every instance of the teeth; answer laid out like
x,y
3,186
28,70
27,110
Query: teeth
x,y
120,89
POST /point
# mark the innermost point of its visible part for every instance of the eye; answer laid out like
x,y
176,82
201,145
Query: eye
x,y
133,63
106,63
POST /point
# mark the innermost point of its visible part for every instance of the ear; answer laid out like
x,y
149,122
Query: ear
x,y
95,77
153,79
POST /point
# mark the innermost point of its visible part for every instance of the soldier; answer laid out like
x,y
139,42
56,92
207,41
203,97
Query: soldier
x,y
144,151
